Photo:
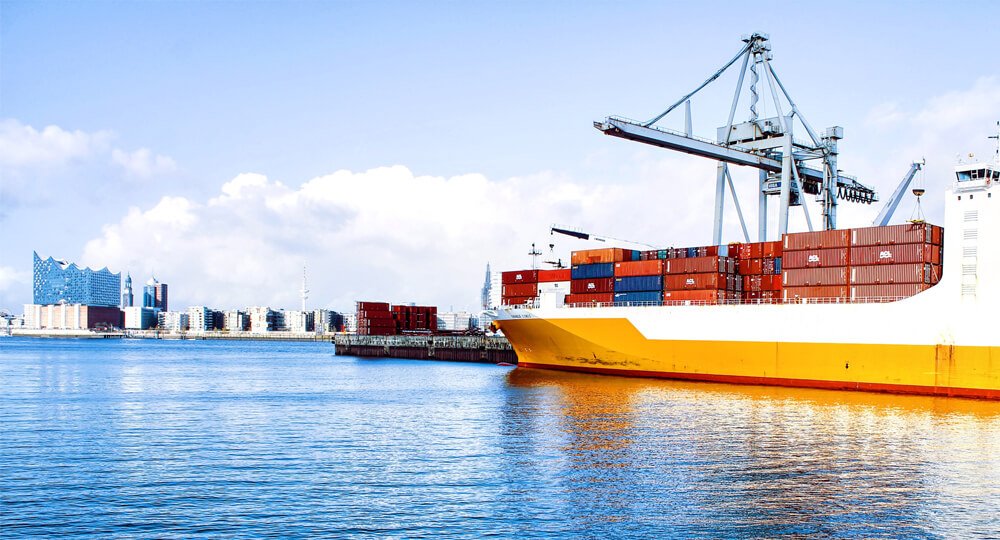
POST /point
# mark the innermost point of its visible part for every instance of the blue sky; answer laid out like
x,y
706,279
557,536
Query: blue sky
x,y
202,141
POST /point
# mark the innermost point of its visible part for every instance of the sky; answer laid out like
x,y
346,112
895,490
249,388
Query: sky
x,y
393,149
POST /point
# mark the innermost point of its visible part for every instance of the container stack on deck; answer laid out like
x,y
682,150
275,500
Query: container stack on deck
x,y
896,261
638,282
375,319
702,275
523,286
593,274
759,265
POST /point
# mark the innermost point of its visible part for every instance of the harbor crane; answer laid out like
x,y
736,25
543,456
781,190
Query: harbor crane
x,y
763,143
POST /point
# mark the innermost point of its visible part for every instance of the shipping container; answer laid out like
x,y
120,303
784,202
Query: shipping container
x,y
825,293
777,266
519,276
816,240
887,293
598,298
517,300
521,289
548,276
887,274
907,233
896,254
372,306
606,255
554,286
642,297
375,315
588,286
699,264
639,283
639,268
815,258
694,297
811,277
772,249
679,282
591,271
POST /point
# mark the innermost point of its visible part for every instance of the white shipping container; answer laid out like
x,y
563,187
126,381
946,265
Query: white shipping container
x,y
554,287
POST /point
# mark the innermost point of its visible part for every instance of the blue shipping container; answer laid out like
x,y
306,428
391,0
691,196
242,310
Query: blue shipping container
x,y
724,250
777,266
692,252
636,255
647,296
639,283
592,271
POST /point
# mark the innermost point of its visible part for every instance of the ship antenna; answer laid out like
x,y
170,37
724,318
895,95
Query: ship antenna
x,y
996,156
534,256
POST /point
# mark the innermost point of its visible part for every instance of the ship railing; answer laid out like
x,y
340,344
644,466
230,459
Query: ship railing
x,y
742,302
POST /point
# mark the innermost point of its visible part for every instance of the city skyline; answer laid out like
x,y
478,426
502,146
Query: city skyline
x,y
396,148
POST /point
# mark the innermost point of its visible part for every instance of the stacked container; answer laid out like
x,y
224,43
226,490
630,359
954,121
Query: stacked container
x,y
519,286
708,279
375,319
415,318
594,282
816,265
638,282
759,265
554,282
896,261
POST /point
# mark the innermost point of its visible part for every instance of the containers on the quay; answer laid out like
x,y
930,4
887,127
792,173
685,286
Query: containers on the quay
x,y
521,289
639,268
896,254
587,286
907,233
591,271
605,255
895,273
811,277
591,298
549,276
840,238
415,318
887,293
643,297
815,258
639,283
519,276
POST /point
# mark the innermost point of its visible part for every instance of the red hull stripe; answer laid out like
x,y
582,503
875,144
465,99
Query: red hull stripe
x,y
981,393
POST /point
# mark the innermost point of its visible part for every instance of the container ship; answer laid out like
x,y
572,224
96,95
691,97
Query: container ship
x,y
907,308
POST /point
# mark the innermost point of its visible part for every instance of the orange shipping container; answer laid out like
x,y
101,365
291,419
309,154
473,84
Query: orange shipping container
x,y
601,298
606,255
639,268
679,282
521,289
896,254
772,249
707,297
548,276
832,293
810,277
907,233
895,273
815,258
698,264
817,240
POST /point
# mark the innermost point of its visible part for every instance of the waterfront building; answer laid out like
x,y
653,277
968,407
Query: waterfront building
x,y
72,316
172,321
458,321
200,319
236,321
299,321
154,295
61,282
140,318
265,319
127,297
351,323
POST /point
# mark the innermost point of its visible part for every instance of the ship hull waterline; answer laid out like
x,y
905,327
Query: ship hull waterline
x,y
613,346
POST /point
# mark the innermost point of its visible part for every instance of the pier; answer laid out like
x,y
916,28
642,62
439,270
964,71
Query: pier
x,y
479,349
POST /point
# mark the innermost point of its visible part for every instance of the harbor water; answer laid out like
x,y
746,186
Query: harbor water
x,y
169,439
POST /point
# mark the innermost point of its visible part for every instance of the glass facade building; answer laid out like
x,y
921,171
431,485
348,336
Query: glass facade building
x,y
61,282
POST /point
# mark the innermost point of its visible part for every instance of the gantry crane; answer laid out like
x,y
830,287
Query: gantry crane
x,y
763,143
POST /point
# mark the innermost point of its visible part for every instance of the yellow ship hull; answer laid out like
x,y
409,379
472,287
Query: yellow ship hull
x,y
615,346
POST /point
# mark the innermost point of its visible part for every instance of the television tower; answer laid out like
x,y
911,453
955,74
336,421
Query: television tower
x,y
304,291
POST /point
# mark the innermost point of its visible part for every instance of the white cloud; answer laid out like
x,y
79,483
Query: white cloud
x,y
22,145
11,278
142,163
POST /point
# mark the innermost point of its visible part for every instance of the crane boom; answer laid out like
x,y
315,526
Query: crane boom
x,y
890,206
587,236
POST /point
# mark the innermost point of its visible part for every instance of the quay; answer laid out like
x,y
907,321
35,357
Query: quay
x,y
479,349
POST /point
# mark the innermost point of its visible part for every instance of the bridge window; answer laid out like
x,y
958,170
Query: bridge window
x,y
964,176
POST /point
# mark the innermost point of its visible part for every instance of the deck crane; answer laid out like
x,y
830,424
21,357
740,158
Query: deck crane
x,y
575,233
763,143
890,206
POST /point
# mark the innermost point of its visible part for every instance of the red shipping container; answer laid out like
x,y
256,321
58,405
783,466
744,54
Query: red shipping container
x,y
907,233
521,289
757,250
772,249
743,251
697,265
831,293
516,300
590,286
601,298
639,268
679,282
519,276
767,266
695,297
756,267
776,284
811,277
771,296
815,258
709,251
606,255
374,315
895,273
373,306
887,293
816,240
937,235
548,276
744,267
896,254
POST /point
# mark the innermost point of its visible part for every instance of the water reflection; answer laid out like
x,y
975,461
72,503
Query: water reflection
x,y
766,461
